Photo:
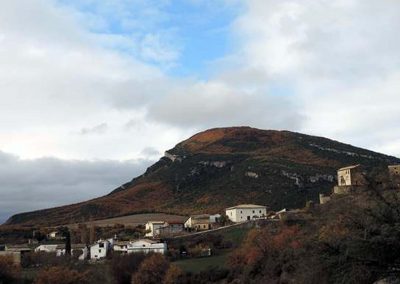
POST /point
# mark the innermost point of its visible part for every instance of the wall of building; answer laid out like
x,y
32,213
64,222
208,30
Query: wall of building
x,y
344,177
244,214
394,170
99,250
323,199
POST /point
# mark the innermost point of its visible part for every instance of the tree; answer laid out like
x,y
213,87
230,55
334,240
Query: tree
x,y
151,270
67,237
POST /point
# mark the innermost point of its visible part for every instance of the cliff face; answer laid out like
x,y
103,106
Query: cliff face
x,y
219,168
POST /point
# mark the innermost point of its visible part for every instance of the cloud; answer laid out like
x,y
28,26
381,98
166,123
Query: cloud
x,y
47,182
339,58
216,103
98,129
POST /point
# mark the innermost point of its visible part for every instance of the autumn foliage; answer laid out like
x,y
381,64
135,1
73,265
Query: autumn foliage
x,y
9,272
61,275
151,270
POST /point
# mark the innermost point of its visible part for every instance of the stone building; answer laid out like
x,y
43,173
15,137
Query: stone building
x,y
350,176
323,199
394,170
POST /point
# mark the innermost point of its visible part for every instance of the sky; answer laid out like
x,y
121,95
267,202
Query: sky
x,y
92,92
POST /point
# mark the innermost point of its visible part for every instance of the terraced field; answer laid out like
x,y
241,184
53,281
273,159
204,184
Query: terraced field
x,y
136,219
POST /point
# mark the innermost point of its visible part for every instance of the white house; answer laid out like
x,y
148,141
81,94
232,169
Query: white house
x,y
147,246
121,246
153,228
245,212
214,218
100,249
79,250
59,249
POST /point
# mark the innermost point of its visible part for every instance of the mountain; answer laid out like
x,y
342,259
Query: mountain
x,y
219,168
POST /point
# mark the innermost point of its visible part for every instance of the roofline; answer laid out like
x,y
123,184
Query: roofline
x,y
349,167
246,206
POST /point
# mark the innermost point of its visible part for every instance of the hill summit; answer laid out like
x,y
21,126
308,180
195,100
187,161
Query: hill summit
x,y
219,168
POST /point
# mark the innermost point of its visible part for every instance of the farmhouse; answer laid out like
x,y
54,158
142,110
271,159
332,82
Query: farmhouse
x,y
245,212
79,250
198,222
100,249
121,246
147,246
171,228
215,218
153,228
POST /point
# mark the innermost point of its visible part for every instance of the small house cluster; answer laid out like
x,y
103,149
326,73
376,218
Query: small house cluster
x,y
156,236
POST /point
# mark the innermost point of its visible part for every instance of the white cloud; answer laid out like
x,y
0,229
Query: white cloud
x,y
340,59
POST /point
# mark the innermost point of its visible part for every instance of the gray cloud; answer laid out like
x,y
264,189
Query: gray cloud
x,y
98,129
218,103
41,183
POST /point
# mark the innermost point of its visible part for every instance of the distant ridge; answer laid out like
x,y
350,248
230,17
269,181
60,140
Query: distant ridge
x,y
220,168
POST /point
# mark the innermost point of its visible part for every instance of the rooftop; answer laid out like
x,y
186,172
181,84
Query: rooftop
x,y
349,167
202,216
246,206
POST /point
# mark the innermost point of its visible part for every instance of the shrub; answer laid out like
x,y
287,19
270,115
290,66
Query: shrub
x,y
61,275
9,271
123,266
152,270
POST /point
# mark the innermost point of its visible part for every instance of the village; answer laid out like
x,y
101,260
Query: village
x,y
158,234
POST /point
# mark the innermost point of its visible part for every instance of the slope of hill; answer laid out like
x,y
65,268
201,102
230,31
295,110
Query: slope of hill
x,y
219,168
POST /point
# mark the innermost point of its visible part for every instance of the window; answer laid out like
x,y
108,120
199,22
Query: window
x,y
99,250
253,211
241,211
260,211
101,245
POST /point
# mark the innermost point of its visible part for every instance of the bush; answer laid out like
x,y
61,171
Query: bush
x,y
152,270
123,266
173,274
61,275
9,271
